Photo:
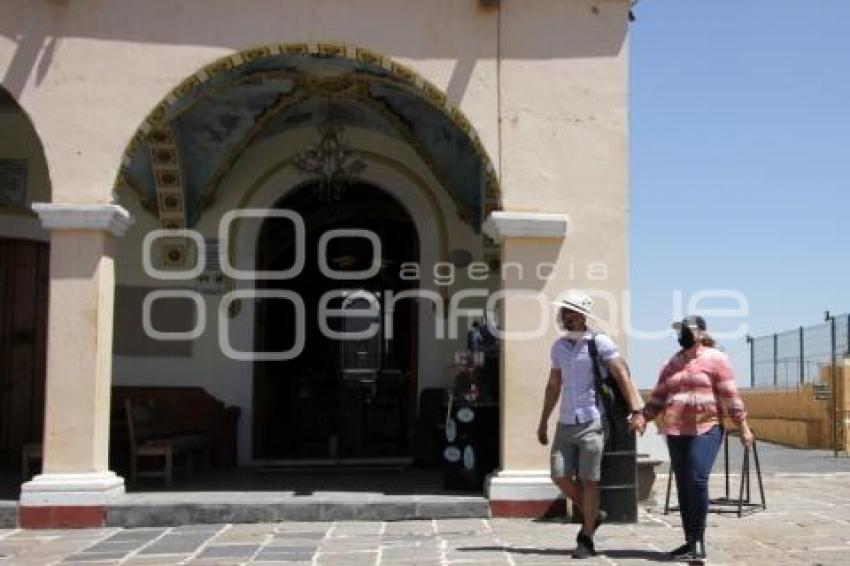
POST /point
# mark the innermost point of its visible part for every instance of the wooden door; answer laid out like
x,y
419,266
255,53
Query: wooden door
x,y
24,278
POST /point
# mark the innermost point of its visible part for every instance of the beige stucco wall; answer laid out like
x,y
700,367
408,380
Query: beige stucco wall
x,y
793,417
544,83
564,149
796,417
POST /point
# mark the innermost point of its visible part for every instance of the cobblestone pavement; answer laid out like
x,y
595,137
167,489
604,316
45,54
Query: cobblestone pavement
x,y
807,522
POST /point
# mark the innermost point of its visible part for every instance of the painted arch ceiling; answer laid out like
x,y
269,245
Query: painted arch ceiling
x,y
204,130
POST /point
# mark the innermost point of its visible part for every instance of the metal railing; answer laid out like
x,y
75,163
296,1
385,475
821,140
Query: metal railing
x,y
794,357
797,357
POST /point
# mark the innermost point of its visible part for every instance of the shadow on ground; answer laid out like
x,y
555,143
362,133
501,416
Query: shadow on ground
x,y
651,555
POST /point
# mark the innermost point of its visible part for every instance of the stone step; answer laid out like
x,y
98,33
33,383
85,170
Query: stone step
x,y
171,514
8,514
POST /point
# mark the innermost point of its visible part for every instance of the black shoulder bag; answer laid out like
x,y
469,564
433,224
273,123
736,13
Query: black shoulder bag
x,y
613,402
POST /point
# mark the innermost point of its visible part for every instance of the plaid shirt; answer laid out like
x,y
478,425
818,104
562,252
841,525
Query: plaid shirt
x,y
694,392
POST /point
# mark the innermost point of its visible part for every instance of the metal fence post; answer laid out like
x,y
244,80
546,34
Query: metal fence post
x,y
833,386
802,359
775,360
752,345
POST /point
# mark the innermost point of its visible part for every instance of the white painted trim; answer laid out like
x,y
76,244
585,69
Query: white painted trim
x,y
505,224
107,217
47,490
531,485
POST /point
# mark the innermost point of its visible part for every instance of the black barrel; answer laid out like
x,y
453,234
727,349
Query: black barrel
x,y
618,485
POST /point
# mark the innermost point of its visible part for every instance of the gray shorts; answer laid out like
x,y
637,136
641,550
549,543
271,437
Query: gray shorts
x,y
577,451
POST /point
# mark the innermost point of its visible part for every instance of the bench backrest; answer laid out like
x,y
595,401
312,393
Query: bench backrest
x,y
163,412
146,421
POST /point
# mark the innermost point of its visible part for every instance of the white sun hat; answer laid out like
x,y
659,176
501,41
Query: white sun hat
x,y
577,301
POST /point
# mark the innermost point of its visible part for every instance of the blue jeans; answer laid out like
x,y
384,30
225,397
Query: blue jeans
x,y
692,458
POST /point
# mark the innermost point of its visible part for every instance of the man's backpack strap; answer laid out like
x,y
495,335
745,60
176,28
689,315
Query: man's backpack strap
x,y
597,373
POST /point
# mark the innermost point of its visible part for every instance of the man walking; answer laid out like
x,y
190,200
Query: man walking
x,y
579,439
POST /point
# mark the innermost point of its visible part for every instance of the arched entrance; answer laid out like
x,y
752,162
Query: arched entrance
x,y
344,398
24,266
230,139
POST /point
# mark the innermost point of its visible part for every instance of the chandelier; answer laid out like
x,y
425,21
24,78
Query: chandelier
x,y
330,161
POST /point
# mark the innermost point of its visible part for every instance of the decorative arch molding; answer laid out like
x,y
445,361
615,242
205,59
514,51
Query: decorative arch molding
x,y
156,123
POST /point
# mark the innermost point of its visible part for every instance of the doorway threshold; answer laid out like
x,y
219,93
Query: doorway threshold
x,y
249,495
345,463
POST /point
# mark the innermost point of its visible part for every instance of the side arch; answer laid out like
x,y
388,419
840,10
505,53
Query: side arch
x,y
27,169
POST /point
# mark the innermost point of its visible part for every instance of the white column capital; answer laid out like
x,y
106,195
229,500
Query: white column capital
x,y
110,218
47,490
503,224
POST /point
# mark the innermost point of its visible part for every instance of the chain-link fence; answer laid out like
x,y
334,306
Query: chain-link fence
x,y
794,357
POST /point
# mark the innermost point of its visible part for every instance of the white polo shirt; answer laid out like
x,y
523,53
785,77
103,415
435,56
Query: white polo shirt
x,y
578,389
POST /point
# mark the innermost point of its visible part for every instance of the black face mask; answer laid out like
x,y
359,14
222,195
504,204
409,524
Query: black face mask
x,y
686,338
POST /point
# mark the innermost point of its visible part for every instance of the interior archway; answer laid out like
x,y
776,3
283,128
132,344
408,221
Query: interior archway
x,y
339,400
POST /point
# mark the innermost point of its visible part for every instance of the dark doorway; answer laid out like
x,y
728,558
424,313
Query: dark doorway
x,y
339,400
24,272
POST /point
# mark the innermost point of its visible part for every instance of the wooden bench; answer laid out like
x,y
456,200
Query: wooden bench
x,y
152,438
186,411
158,426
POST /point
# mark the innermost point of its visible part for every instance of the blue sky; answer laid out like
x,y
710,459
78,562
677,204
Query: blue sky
x,y
740,149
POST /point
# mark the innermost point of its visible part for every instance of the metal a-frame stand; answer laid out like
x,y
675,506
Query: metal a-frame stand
x,y
727,504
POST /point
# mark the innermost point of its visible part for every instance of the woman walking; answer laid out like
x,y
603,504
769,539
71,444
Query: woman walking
x,y
695,389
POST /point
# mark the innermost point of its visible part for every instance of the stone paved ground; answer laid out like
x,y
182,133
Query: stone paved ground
x,y
807,522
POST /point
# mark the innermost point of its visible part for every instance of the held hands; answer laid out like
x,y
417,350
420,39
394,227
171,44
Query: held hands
x,y
637,423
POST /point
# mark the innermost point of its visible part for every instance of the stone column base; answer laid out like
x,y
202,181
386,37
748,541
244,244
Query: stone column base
x,y
53,501
528,494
